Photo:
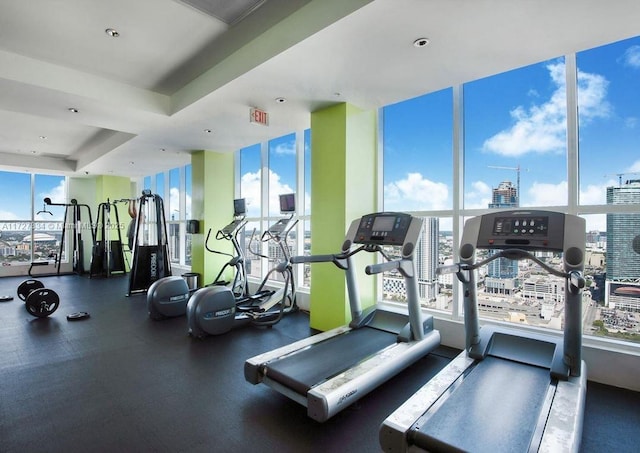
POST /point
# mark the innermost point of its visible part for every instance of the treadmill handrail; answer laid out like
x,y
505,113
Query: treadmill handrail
x,y
513,254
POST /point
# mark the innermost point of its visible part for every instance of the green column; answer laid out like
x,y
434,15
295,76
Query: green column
x,y
212,191
343,188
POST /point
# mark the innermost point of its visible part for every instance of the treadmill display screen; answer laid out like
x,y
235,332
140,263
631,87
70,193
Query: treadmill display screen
x,y
383,228
383,224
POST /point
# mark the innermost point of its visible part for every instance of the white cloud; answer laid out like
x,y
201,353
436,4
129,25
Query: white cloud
x,y
542,128
479,197
251,193
631,57
543,194
57,195
251,189
174,203
595,193
6,215
414,193
635,167
288,149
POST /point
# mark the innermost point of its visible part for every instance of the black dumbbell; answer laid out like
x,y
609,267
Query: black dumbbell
x,y
39,301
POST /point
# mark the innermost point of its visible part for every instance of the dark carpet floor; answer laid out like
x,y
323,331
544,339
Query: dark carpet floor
x,y
119,381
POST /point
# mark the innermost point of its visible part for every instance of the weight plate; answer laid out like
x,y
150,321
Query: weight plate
x,y
42,302
6,298
27,286
78,315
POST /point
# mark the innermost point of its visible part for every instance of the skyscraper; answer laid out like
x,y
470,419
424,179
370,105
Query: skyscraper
x,y
505,196
502,273
622,290
427,258
623,235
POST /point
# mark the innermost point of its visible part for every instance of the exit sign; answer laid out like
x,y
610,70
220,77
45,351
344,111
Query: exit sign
x,y
259,116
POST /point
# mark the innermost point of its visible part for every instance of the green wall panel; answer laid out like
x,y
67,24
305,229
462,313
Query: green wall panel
x,y
212,189
343,159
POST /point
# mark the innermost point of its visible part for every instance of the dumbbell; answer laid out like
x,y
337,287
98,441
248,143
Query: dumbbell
x,y
39,301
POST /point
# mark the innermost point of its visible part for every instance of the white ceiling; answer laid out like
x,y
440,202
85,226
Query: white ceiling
x,y
145,98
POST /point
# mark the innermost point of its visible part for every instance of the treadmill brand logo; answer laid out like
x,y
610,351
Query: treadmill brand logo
x,y
344,397
154,265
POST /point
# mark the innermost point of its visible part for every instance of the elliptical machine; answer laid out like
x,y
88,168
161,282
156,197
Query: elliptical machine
x,y
214,310
230,232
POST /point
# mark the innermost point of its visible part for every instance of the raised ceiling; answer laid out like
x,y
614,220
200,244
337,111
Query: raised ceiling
x,y
146,97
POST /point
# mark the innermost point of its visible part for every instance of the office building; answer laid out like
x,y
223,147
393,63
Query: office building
x,y
623,248
502,273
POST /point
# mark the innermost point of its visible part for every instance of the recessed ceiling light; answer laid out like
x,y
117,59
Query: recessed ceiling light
x,y
112,32
421,42
34,152
43,137
73,109
131,162
208,131
281,100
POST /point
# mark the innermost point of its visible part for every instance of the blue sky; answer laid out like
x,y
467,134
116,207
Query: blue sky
x,y
15,196
517,119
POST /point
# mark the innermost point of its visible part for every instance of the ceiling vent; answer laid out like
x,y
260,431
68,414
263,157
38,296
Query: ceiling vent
x,y
229,12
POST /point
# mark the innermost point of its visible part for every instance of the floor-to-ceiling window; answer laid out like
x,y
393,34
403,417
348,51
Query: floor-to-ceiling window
x,y
267,171
515,155
608,88
174,187
418,178
251,191
562,134
30,228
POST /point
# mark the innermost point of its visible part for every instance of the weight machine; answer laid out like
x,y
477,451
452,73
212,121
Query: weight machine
x,y
78,246
107,255
150,244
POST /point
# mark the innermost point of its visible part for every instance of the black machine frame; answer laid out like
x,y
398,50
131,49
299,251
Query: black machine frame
x,y
78,246
107,257
150,262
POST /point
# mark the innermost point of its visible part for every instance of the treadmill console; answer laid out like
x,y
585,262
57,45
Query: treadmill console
x,y
385,228
527,230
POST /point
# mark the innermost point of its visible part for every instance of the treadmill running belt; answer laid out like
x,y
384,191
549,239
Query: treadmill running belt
x,y
321,361
496,408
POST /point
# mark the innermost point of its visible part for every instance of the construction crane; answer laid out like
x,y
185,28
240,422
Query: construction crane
x,y
620,175
517,170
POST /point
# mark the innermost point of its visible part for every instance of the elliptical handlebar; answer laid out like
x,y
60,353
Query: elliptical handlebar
x,y
249,246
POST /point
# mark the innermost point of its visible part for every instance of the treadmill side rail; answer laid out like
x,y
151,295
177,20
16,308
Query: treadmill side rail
x,y
394,430
330,397
563,431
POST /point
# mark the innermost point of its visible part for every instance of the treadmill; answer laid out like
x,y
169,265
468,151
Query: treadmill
x,y
331,370
509,390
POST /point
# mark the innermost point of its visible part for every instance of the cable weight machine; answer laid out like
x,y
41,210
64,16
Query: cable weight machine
x,y
107,255
150,244
78,246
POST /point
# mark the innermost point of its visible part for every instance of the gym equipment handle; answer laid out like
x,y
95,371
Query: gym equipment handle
x,y
381,267
312,259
